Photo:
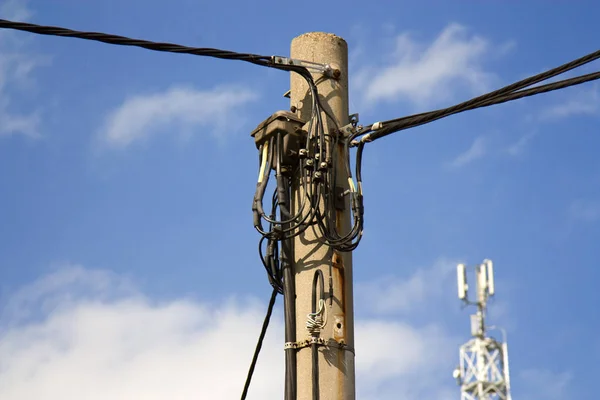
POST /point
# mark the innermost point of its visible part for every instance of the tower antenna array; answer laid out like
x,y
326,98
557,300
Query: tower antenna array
x,y
483,370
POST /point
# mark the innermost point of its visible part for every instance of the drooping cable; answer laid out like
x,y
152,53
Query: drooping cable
x,y
425,118
510,92
314,324
261,337
266,61
565,83
317,164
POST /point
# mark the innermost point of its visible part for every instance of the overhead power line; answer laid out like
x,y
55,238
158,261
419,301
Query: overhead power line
x,y
266,61
374,131
541,89
125,41
413,121
502,95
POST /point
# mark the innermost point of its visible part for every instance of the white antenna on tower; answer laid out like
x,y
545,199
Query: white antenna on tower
x,y
490,275
483,371
462,281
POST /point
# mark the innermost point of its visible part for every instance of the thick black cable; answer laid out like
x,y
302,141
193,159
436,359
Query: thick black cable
x,y
542,89
279,191
317,151
146,44
289,289
425,118
263,332
301,225
394,125
265,262
347,242
320,281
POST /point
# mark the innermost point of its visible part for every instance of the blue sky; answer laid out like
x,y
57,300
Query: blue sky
x,y
128,254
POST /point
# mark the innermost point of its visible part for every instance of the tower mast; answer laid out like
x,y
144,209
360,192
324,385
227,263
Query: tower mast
x,y
483,372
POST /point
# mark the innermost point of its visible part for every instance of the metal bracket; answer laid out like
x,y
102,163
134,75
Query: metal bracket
x,y
340,201
347,130
304,343
325,69
319,342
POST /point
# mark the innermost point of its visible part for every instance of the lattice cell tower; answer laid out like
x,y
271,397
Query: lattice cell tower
x,y
483,371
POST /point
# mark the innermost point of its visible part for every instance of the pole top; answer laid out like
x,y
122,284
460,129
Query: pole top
x,y
320,36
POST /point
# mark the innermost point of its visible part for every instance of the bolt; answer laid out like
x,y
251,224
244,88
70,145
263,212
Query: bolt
x,y
324,165
337,73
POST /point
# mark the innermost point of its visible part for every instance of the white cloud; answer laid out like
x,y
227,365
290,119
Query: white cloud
x,y
519,146
16,66
392,294
96,343
585,210
60,288
430,74
576,102
179,108
546,384
398,361
476,151
583,102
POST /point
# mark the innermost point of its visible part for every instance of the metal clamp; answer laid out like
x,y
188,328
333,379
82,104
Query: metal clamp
x,y
351,128
319,342
347,130
326,69
304,343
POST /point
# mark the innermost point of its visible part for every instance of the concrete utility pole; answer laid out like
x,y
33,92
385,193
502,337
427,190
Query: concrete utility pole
x,y
336,353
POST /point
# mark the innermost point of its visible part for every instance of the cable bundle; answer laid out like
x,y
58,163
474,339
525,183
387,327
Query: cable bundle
x,y
511,92
316,163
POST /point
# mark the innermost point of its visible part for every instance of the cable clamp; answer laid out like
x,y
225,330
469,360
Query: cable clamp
x,y
331,343
351,128
326,69
347,130
367,138
303,343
